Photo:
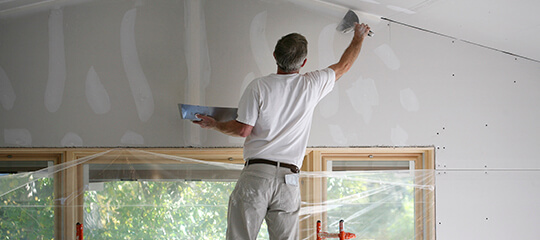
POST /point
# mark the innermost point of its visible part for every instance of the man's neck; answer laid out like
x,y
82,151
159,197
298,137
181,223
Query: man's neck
x,y
279,71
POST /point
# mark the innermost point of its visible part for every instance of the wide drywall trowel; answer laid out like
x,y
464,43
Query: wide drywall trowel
x,y
348,22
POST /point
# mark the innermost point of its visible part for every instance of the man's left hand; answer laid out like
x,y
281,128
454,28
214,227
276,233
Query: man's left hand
x,y
206,121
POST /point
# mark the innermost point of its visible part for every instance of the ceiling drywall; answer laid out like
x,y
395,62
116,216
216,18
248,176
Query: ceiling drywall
x,y
507,26
502,25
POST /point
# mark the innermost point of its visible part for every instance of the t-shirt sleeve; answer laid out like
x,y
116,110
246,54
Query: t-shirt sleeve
x,y
248,107
324,80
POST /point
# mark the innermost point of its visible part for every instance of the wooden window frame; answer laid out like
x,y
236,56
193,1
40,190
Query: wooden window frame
x,y
314,190
69,181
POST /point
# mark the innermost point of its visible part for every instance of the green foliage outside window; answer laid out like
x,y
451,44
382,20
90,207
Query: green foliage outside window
x,y
28,212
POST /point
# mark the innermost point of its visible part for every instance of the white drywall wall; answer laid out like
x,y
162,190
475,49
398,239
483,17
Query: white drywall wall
x,y
127,64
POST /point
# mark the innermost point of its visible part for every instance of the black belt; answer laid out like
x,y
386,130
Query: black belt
x,y
292,167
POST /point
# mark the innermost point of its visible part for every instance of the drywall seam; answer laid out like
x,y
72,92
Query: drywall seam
x,y
259,45
96,95
142,94
461,40
198,64
54,90
7,94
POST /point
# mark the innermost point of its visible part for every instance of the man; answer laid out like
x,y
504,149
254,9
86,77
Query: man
x,y
274,114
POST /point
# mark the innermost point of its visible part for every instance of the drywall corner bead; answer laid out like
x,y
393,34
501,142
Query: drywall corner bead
x,y
132,138
54,90
18,136
7,94
96,95
71,140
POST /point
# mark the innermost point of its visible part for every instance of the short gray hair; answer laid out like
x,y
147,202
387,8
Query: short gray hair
x,y
290,52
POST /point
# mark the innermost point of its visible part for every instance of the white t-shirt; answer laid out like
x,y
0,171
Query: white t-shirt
x,y
280,109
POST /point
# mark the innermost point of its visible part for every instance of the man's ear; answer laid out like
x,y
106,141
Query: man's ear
x,y
304,63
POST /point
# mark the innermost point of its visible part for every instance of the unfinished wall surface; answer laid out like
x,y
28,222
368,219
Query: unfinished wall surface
x,y
111,73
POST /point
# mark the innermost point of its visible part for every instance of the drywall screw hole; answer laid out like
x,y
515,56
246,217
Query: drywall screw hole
x,y
440,223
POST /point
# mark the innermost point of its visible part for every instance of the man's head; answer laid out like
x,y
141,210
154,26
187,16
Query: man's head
x,y
291,52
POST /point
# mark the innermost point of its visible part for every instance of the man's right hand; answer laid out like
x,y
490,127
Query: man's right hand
x,y
361,30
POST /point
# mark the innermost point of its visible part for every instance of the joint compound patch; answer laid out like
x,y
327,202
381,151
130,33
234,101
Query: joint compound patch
x,y
327,55
387,55
71,140
132,138
337,134
409,101
142,94
259,45
363,96
399,136
7,94
18,136
96,95
54,90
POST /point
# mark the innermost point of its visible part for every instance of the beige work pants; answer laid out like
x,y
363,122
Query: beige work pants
x,y
261,193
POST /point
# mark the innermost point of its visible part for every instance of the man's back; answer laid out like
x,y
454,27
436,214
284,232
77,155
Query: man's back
x,y
280,107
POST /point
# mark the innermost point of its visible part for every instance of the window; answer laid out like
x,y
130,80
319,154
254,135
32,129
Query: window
x,y
27,209
151,193
390,198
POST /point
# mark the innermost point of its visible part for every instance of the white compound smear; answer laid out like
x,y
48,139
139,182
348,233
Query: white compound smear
x,y
399,136
142,94
96,95
132,138
409,101
363,96
387,55
337,134
259,45
54,90
71,140
7,94
327,55
18,136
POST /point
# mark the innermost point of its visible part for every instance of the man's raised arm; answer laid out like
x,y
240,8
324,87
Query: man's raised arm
x,y
353,50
